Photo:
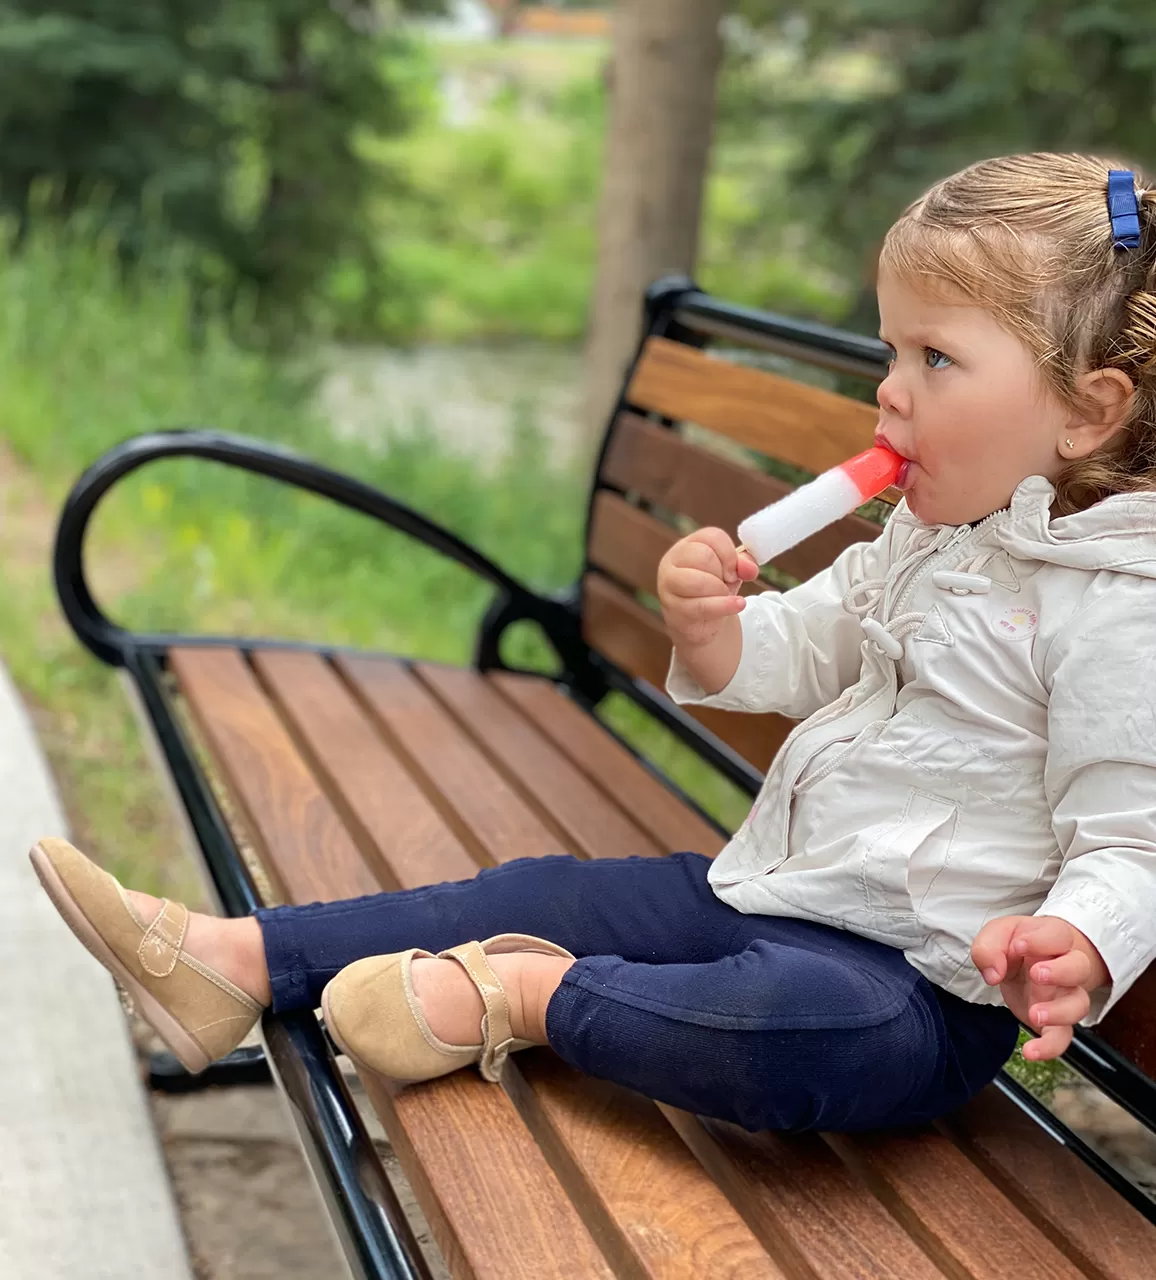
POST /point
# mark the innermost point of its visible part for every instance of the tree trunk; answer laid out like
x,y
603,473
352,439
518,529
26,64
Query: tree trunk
x,y
662,109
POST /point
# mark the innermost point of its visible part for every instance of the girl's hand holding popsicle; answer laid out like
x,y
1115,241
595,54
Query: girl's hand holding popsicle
x,y
698,584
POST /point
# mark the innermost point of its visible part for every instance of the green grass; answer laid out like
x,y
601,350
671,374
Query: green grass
x,y
1040,1078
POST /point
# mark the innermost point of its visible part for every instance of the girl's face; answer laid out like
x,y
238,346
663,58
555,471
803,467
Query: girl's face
x,y
965,404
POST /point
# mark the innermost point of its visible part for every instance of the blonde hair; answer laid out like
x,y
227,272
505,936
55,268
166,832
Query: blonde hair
x,y
1029,238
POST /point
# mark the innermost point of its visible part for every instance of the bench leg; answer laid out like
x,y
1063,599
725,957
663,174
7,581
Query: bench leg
x,y
242,1066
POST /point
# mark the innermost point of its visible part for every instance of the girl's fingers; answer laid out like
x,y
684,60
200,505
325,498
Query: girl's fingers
x,y
718,544
1071,970
746,567
1065,1009
1050,1044
989,951
707,609
692,584
1046,936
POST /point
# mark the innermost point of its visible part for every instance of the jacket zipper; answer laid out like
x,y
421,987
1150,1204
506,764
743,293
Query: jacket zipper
x,y
951,546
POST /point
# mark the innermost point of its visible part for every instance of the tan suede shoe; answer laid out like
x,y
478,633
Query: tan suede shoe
x,y
374,1017
198,1013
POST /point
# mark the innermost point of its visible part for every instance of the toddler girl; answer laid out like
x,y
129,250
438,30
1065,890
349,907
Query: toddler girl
x,y
960,832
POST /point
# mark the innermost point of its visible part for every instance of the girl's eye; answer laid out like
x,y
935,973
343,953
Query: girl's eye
x,y
936,359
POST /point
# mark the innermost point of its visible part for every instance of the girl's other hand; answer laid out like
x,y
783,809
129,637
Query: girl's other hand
x,y
698,585
1045,969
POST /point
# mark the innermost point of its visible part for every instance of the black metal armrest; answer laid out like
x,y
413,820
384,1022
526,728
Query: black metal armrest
x,y
110,642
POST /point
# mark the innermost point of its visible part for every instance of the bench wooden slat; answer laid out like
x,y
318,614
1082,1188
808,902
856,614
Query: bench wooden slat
x,y
587,821
376,794
632,636
297,831
644,1195
661,467
476,801
804,1204
495,1206
626,542
958,1217
571,729
1072,1205
803,425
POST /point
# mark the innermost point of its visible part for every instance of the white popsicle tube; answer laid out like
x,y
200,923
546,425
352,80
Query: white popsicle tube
x,y
811,507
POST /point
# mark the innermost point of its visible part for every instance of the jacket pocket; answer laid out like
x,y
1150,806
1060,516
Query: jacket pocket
x,y
904,861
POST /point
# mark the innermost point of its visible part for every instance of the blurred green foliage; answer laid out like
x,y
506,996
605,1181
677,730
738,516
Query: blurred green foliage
x,y
233,128
944,83
493,235
493,232
84,363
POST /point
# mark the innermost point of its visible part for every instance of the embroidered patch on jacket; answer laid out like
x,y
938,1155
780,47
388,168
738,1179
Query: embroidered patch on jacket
x,y
1015,624
934,629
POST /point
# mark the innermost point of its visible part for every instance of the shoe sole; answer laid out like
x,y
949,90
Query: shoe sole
x,y
187,1051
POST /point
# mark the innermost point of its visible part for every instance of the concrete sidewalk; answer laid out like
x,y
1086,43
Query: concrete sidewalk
x,y
83,1190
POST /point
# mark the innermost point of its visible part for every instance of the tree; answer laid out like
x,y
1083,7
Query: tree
x,y
663,80
231,125
959,80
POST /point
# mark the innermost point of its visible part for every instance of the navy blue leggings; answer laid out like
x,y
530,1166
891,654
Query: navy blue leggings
x,y
772,1023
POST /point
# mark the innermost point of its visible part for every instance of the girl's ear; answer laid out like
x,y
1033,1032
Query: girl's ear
x,y
1106,396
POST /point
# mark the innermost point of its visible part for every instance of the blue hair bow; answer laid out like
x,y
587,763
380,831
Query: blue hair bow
x,y
1123,209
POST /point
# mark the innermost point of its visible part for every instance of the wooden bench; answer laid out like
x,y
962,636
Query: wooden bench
x,y
309,773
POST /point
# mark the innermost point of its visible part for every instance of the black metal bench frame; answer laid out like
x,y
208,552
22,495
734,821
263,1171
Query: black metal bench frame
x,y
377,1239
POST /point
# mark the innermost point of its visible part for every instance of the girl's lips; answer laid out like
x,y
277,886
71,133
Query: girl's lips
x,y
903,480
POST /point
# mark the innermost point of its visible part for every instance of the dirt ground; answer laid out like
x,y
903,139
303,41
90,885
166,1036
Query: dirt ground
x,y
247,1200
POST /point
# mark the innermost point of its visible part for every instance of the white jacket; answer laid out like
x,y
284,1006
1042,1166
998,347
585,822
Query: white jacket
x,y
978,737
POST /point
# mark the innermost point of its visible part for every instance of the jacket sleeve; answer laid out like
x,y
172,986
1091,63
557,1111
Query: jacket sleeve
x,y
1100,778
801,648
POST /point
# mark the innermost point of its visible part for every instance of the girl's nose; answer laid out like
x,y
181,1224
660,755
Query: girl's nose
x,y
892,397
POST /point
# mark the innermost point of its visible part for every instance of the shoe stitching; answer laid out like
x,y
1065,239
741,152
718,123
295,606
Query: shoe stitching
x,y
218,1022
219,981
134,914
161,941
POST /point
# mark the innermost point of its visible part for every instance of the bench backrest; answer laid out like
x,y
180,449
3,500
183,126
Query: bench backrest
x,y
698,439
653,484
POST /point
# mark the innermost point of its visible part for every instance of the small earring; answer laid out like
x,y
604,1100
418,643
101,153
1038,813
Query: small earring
x,y
1068,443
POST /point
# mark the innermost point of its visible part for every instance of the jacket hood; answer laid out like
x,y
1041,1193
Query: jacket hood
x,y
1117,533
